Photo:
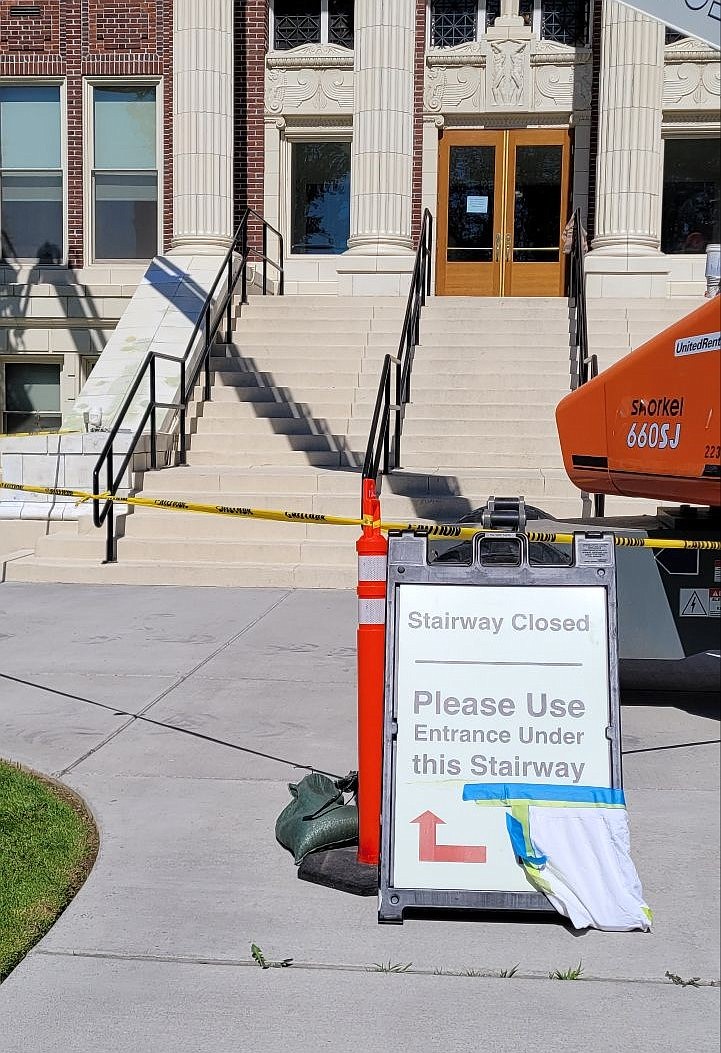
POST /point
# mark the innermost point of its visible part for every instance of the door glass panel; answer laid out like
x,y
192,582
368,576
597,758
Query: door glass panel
x,y
537,205
470,204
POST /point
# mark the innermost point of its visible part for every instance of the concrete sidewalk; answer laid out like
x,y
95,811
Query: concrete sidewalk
x,y
154,953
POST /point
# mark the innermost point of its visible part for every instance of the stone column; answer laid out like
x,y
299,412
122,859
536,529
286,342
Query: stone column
x,y
629,167
382,155
202,125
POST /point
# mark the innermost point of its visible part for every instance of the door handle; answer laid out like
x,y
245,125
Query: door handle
x,y
508,248
499,246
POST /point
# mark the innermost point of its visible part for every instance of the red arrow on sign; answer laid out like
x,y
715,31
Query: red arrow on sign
x,y
429,851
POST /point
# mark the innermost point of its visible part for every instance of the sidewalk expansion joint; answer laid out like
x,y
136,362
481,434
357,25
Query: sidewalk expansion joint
x,y
176,683
346,967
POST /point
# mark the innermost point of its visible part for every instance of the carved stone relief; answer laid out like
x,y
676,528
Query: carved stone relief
x,y
692,77
509,74
312,79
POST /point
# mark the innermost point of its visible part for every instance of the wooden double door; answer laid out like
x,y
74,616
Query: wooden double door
x,y
503,204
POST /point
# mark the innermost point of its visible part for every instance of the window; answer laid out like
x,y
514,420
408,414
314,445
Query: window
x,y
125,173
453,22
320,205
312,22
456,22
690,211
31,178
32,397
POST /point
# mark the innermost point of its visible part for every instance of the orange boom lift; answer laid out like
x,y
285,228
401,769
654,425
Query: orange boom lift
x,y
650,426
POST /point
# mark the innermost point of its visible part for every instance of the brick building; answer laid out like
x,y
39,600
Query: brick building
x,y
136,128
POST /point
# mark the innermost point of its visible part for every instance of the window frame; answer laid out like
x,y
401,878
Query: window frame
x,y
89,85
61,83
324,29
29,359
481,22
337,133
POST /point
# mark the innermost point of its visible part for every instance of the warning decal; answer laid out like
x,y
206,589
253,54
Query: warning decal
x,y
700,603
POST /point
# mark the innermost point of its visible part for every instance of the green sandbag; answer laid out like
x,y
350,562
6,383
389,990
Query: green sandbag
x,y
317,817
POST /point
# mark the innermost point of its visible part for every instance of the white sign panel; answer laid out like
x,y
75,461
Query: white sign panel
x,y
495,685
477,205
694,18
697,345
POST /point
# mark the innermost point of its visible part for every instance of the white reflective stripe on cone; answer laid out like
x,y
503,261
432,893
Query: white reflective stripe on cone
x,y
371,612
372,568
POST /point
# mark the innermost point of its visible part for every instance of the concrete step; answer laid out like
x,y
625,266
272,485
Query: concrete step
x,y
227,370
483,420
191,573
457,378
270,441
295,482
250,425
485,447
224,411
427,459
280,456
218,416
461,429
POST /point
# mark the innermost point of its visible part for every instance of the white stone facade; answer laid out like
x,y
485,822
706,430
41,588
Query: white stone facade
x,y
510,78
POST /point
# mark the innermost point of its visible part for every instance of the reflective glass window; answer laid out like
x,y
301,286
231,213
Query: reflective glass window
x,y
32,397
320,206
125,173
31,178
690,209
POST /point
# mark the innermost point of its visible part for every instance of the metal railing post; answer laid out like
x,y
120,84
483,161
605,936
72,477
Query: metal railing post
x,y
264,243
244,262
207,354
183,451
398,417
387,433
110,553
281,259
153,418
229,307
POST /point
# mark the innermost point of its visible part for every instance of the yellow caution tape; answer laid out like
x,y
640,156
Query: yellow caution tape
x,y
446,531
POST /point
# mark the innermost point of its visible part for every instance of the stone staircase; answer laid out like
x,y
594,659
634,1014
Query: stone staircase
x,y
288,423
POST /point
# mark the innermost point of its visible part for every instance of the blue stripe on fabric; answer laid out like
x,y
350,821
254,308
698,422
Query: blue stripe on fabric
x,y
518,840
503,791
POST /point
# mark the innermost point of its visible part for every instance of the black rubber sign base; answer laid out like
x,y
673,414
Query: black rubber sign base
x,y
339,869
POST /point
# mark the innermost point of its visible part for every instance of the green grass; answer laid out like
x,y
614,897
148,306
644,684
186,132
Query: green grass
x,y
47,846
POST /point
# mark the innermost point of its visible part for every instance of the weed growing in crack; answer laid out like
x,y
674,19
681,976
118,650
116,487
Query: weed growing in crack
x,y
567,974
260,959
390,967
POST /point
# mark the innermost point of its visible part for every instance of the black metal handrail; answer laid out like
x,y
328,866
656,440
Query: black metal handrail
x,y
396,374
235,269
586,364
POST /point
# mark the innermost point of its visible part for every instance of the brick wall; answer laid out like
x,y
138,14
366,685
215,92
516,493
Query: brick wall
x,y
72,39
420,72
251,45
